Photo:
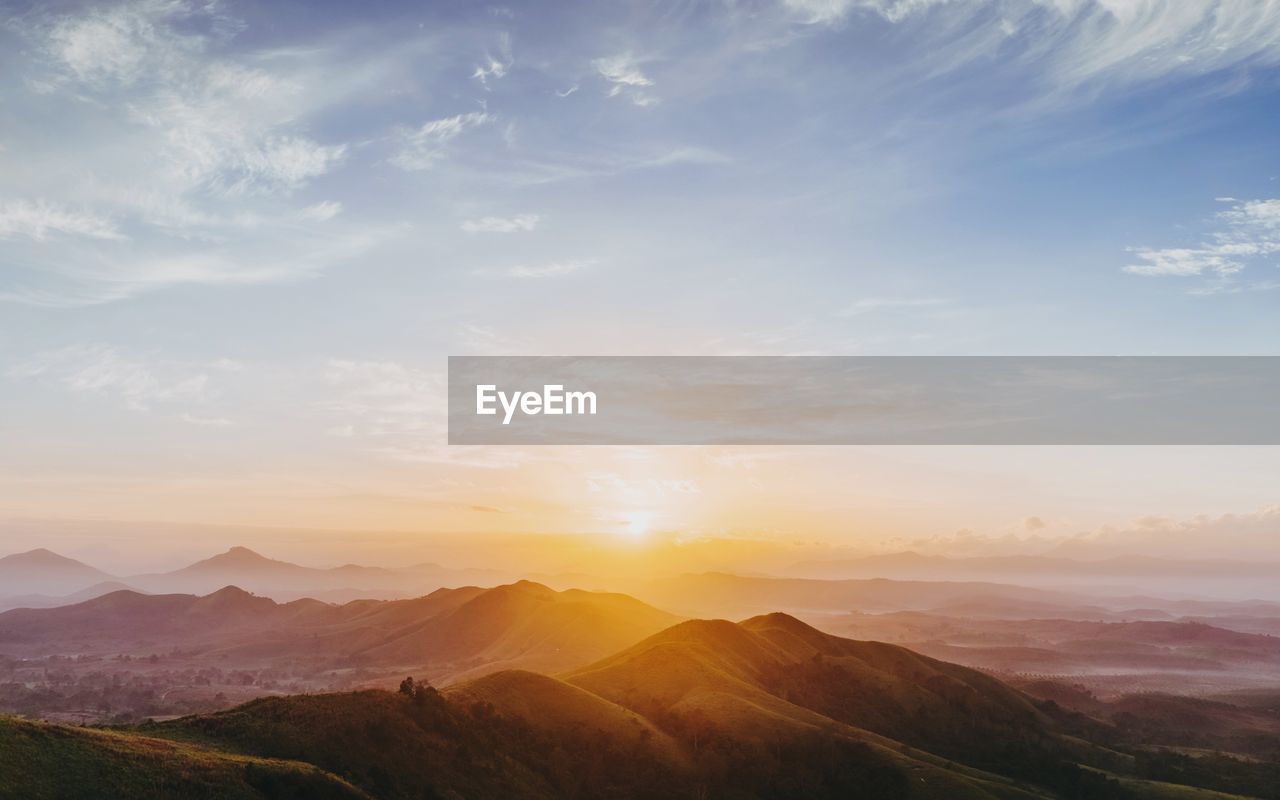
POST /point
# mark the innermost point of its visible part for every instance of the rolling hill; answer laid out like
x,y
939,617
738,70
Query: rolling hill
x,y
454,632
768,707
53,762
765,708
775,670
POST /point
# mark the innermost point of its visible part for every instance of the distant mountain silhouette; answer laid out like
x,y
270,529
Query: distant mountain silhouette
x,y
735,596
41,578
918,566
240,566
44,572
53,601
457,632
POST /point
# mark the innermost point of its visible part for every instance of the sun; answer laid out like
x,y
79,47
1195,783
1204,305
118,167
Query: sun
x,y
637,524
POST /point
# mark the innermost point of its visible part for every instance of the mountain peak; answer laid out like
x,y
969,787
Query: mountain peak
x,y
240,551
231,600
777,619
228,592
42,558
237,557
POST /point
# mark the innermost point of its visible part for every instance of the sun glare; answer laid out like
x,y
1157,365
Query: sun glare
x,y
637,524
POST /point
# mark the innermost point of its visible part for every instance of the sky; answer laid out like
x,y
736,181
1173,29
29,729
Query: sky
x,y
239,240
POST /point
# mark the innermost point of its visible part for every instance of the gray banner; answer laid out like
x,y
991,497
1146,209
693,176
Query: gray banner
x,y
864,400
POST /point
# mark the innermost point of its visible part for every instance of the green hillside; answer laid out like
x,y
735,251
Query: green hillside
x,y
39,761
767,708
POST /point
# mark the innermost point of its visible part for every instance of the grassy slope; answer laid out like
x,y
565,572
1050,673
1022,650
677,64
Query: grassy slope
x,y
765,708
39,761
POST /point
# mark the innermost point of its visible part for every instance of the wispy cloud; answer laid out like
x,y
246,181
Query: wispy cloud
x,y
622,73
820,12
320,212
223,124
1072,43
100,369
420,148
81,276
181,151
1247,231
398,411
495,66
520,222
37,220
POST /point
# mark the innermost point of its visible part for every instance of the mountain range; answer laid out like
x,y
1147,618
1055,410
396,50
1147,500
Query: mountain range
x,y
765,708
1234,579
40,578
447,634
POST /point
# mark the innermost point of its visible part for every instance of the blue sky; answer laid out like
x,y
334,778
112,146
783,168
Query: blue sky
x,y
237,240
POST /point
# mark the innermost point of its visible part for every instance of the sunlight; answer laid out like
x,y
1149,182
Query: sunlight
x,y
637,524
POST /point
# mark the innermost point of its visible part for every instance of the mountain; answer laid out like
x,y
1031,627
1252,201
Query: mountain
x,y
717,594
790,671
42,579
283,580
39,761
529,736
451,633
527,624
52,601
1222,577
918,566
405,747
46,573
126,620
1111,657
765,708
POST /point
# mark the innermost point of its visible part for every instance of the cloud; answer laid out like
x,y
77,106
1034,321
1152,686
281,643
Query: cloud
x,y
400,412
555,269
100,369
116,44
420,148
520,222
223,124
1242,536
1183,262
819,12
166,132
1246,536
321,212
83,276
494,68
626,79
39,219
1074,42
1249,230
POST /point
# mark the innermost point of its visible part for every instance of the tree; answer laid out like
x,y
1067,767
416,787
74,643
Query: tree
x,y
406,686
